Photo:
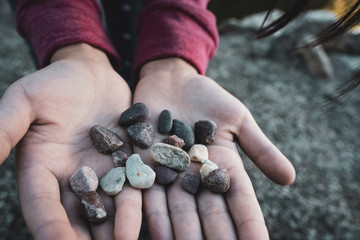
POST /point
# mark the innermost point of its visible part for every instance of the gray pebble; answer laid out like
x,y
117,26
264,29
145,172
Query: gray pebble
x,y
140,175
136,113
84,180
119,158
205,132
93,208
141,134
170,156
191,183
113,182
174,141
183,131
165,122
165,175
105,140
218,180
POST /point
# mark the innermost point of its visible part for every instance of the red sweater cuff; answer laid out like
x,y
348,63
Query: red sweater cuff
x,y
51,24
184,29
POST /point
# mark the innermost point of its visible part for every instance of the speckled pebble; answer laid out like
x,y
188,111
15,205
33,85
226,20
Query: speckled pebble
x,y
170,156
84,180
218,180
119,158
174,141
205,132
185,132
140,175
191,183
165,175
136,113
93,208
141,134
165,121
112,183
105,140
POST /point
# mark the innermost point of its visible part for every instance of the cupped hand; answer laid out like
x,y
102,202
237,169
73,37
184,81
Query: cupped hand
x,y
172,212
52,111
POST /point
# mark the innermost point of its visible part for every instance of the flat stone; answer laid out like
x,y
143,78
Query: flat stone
x,y
141,134
185,132
205,132
140,175
136,113
165,121
105,140
92,207
119,158
165,175
174,141
218,180
84,180
170,156
113,182
191,183
198,153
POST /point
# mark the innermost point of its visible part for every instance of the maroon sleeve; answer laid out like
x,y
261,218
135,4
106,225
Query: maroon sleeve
x,y
51,24
176,28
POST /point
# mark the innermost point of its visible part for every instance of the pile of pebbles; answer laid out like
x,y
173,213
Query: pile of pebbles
x,y
183,146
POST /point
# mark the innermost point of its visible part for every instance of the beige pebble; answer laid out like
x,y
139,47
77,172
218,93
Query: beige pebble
x,y
170,156
206,169
198,153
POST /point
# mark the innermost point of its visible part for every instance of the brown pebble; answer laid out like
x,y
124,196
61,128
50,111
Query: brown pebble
x,y
119,158
141,134
165,175
205,132
218,180
191,183
175,141
105,140
136,113
92,207
84,180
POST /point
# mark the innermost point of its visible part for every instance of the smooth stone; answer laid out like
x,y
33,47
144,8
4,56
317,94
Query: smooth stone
x,y
165,121
113,182
218,180
92,207
140,175
165,175
141,134
174,141
170,156
105,140
185,132
207,167
136,113
119,158
191,183
84,180
198,153
205,132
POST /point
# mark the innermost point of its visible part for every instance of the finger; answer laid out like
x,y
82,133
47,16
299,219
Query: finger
x,y
157,214
183,212
263,153
15,118
41,206
128,217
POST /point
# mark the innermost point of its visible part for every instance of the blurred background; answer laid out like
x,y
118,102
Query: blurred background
x,y
286,91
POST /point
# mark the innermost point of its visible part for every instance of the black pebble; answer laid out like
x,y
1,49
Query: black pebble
x,y
191,183
165,175
185,132
136,113
165,122
205,132
141,134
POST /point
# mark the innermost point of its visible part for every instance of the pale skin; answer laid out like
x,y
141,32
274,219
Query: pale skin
x,y
48,114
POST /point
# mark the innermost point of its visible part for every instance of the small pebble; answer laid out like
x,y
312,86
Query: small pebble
x,y
205,132
165,122
140,175
105,140
207,167
136,113
198,153
119,158
191,183
84,180
174,141
112,183
165,175
170,156
93,208
218,180
185,132
141,134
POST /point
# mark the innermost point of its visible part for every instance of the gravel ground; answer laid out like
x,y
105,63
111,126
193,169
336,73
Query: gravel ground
x,y
286,100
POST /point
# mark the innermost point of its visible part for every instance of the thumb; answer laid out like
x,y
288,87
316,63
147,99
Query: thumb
x,y
16,116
